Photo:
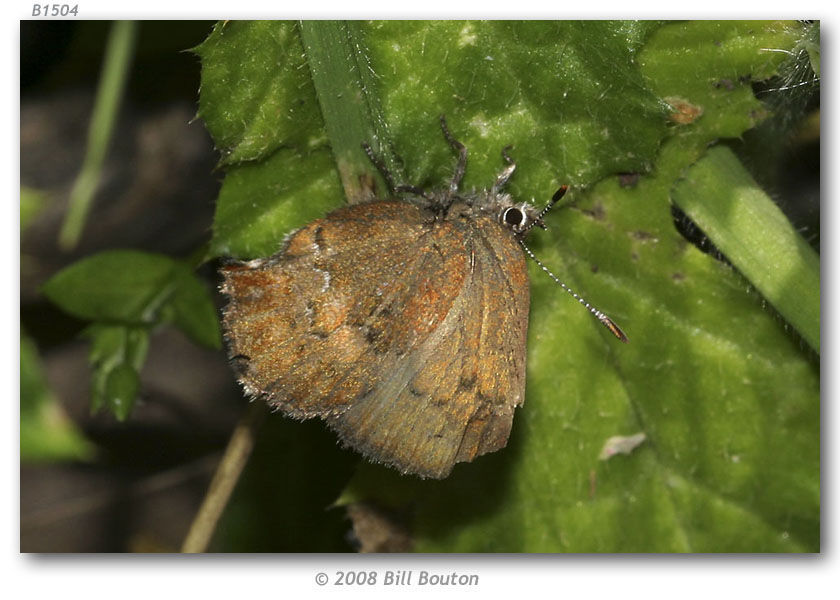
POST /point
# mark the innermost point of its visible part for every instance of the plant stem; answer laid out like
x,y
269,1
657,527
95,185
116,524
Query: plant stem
x,y
224,480
118,54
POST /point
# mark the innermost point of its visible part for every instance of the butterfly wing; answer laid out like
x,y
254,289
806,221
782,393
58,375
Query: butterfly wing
x,y
404,333
453,397
309,328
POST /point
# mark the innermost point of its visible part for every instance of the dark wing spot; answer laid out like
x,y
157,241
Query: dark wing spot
x,y
319,238
467,383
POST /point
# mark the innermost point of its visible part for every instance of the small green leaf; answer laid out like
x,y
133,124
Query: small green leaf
x,y
117,354
193,311
136,288
121,386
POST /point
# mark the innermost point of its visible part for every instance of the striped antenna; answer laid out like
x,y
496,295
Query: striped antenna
x,y
604,319
538,221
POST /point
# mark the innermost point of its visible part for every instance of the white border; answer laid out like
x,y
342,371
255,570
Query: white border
x,y
292,576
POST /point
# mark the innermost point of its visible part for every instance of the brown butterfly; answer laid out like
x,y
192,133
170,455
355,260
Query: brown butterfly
x,y
401,323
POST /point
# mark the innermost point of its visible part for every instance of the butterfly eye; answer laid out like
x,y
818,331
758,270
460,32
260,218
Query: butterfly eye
x,y
514,218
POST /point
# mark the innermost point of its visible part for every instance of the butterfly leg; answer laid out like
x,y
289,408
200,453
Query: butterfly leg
x,y
386,175
503,177
462,156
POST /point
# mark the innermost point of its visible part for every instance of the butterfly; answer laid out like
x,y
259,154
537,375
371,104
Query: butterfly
x,y
400,322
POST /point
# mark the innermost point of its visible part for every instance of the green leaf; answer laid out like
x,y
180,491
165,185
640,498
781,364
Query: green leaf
x,y
567,94
136,288
714,380
117,354
256,93
260,203
46,433
724,58
722,198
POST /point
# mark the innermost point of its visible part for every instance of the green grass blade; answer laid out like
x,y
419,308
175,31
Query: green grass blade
x,y
744,223
346,89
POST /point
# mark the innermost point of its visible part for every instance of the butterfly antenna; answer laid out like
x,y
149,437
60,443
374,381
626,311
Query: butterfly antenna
x,y
604,319
538,221
561,191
